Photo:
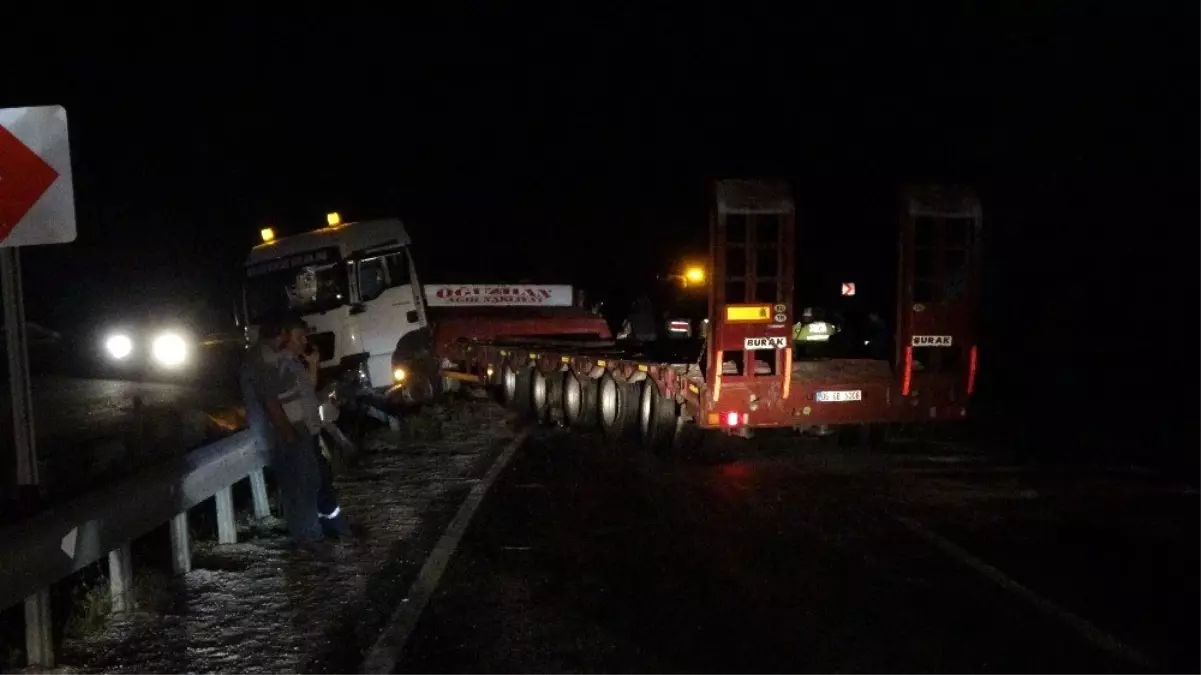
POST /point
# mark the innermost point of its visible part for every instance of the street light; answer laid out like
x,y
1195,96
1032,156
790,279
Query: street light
x,y
693,275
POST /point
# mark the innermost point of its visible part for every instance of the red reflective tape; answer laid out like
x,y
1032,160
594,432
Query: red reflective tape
x,y
907,373
971,371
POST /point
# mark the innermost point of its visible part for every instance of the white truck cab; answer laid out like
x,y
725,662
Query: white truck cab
x,y
355,285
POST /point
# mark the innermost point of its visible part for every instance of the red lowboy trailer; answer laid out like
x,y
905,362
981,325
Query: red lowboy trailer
x,y
744,372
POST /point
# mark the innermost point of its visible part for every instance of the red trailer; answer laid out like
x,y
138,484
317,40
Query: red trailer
x,y
744,375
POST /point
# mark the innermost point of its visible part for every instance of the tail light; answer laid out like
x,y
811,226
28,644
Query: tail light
x,y
907,372
971,370
731,419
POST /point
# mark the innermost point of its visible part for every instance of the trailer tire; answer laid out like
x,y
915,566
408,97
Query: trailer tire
x,y
657,417
552,410
507,387
523,395
579,400
539,390
616,407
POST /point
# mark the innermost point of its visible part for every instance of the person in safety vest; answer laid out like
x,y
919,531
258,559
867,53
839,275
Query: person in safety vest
x,y
812,327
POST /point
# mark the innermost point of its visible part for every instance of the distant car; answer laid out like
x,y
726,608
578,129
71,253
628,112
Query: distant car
x,y
166,347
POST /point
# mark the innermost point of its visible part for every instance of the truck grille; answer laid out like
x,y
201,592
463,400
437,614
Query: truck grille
x,y
324,342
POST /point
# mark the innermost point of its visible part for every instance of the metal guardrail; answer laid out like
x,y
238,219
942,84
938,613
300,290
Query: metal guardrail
x,y
59,542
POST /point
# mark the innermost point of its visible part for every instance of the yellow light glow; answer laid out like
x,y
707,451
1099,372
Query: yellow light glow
x,y
748,313
333,218
267,234
399,374
695,274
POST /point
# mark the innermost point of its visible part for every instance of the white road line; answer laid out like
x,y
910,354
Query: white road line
x,y
390,644
1087,630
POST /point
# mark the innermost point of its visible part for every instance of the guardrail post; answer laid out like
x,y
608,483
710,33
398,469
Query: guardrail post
x,y
181,544
120,578
39,636
258,491
227,530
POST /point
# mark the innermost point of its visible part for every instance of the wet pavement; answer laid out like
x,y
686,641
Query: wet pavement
x,y
93,426
790,556
257,606
90,430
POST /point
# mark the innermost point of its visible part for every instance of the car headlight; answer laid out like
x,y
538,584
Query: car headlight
x,y
169,349
119,346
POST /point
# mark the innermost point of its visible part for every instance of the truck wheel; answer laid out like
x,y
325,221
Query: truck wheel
x,y
657,417
579,400
616,407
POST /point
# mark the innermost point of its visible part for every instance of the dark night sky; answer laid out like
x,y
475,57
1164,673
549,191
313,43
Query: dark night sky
x,y
554,146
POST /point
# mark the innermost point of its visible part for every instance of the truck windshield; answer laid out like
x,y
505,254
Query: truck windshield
x,y
304,290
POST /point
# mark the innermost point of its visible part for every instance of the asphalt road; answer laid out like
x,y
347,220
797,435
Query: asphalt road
x,y
790,556
92,424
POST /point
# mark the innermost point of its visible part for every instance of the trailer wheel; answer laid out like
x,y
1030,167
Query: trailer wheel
x,y
523,394
657,417
538,394
579,400
617,407
508,386
552,411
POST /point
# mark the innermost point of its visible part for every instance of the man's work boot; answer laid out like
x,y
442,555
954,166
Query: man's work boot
x,y
335,525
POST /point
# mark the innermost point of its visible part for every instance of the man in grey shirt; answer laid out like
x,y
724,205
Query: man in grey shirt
x,y
273,386
303,367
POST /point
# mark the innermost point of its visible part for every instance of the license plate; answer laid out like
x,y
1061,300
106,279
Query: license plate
x,y
839,396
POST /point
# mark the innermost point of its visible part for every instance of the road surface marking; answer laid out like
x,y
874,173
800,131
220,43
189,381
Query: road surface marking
x,y
391,642
1087,630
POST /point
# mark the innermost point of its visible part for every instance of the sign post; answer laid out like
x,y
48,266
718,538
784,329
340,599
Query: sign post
x,y
37,206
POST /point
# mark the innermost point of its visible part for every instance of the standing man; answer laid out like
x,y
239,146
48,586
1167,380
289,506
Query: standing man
x,y
274,410
304,367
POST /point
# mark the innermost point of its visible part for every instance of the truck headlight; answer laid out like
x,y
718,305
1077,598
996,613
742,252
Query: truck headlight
x,y
169,349
119,346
